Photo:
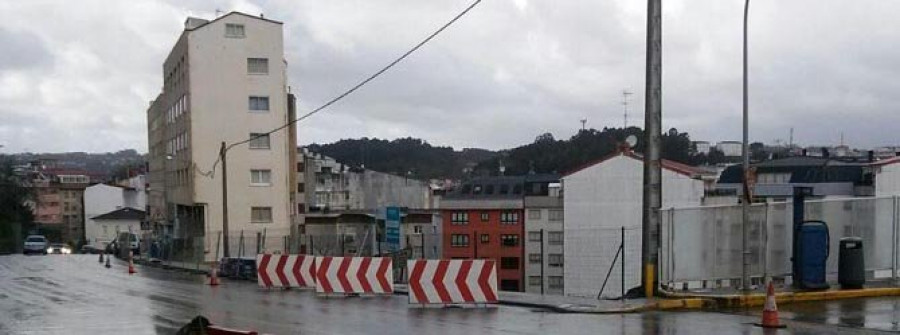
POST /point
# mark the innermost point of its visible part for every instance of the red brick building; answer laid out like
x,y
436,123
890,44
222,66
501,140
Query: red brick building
x,y
484,219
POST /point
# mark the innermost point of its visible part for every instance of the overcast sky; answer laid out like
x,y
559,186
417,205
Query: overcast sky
x,y
78,75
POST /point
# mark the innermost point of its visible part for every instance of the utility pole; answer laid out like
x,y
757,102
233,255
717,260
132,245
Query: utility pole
x,y
652,201
625,95
745,205
542,262
583,122
222,151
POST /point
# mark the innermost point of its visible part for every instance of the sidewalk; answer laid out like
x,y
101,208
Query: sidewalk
x,y
733,298
192,267
567,304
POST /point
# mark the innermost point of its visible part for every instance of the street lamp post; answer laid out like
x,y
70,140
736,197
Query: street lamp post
x,y
745,205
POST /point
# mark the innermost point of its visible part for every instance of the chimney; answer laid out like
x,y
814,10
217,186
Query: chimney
x,y
194,22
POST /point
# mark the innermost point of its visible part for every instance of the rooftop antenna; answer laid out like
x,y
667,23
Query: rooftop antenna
x,y
842,138
625,95
791,140
583,122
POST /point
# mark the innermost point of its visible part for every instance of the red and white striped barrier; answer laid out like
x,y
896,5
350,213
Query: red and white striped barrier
x,y
458,281
285,271
371,275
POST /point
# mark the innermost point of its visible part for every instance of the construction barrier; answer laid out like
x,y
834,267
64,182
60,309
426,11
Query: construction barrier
x,y
285,271
458,281
354,275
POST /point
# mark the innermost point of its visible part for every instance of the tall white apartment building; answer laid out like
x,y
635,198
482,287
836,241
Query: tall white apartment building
x,y
223,81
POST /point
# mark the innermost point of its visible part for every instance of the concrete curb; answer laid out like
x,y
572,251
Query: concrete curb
x,y
576,309
758,299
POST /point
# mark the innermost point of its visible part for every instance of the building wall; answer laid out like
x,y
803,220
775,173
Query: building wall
x,y
598,201
492,249
537,217
887,180
109,228
100,199
211,75
220,89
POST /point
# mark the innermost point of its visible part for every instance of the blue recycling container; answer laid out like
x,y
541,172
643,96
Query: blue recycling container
x,y
813,249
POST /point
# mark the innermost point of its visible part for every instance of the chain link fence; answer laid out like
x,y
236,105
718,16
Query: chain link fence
x,y
702,246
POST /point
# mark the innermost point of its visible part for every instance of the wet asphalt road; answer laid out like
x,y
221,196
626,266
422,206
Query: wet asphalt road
x,y
76,295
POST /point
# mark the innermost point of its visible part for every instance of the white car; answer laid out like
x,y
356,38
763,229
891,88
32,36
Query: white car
x,y
35,244
59,248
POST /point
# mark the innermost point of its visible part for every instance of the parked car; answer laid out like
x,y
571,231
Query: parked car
x,y
59,248
35,244
131,240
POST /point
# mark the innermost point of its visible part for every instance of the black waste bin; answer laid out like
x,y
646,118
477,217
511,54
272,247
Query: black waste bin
x,y
851,263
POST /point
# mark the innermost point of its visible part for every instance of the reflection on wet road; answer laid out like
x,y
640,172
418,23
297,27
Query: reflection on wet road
x,y
76,295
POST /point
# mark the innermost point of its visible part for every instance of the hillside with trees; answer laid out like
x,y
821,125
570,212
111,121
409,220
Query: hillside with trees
x,y
546,154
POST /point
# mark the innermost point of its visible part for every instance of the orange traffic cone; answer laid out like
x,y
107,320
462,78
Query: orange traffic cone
x,y
770,311
213,274
131,269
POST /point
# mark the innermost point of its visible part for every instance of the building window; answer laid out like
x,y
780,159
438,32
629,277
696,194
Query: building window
x,y
534,280
485,238
261,177
534,236
260,214
555,260
489,189
509,263
555,282
534,214
504,189
417,229
556,215
259,103
234,30
257,65
509,217
534,258
485,216
509,240
459,240
301,187
509,285
460,218
259,141
555,238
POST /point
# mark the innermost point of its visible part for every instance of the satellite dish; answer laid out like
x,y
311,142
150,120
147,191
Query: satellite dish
x,y
631,140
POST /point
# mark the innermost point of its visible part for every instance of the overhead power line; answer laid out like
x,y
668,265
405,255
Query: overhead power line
x,y
352,89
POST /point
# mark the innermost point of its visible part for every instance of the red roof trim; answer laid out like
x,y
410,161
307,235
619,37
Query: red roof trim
x,y
673,166
884,162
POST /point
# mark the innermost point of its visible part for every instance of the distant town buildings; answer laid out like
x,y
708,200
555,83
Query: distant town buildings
x,y
101,200
702,147
223,82
730,148
337,202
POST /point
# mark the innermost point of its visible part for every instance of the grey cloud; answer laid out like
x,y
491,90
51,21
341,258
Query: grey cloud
x,y
499,77
22,50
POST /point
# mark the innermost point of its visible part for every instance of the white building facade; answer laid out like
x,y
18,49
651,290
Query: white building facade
x,y
224,82
100,199
602,199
